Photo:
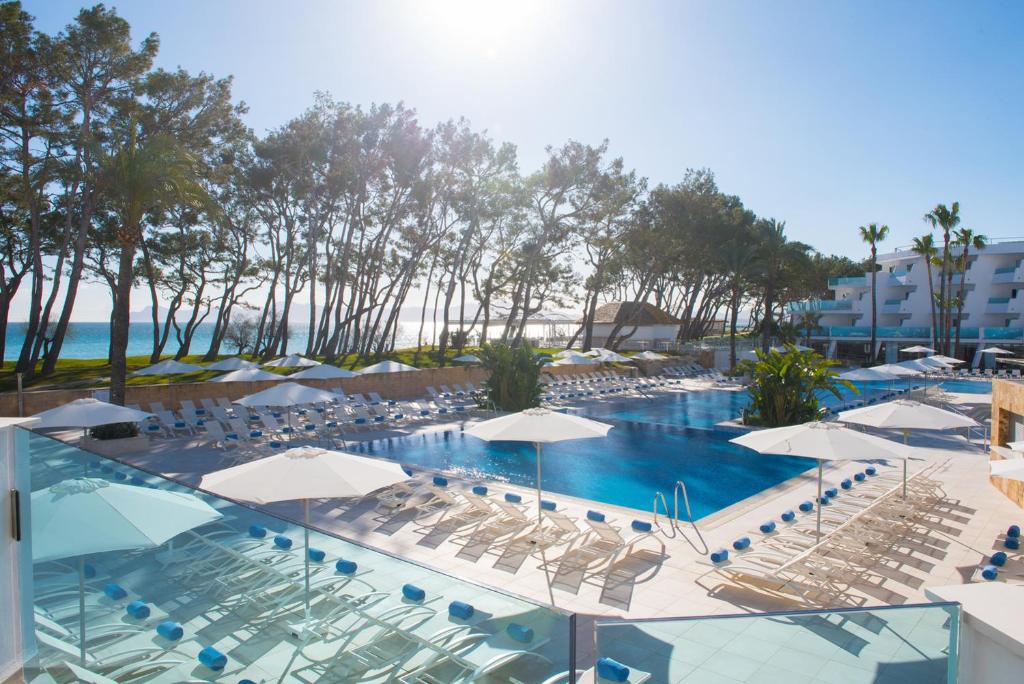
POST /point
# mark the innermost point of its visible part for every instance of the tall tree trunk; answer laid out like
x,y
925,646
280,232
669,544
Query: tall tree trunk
x,y
960,302
874,300
119,324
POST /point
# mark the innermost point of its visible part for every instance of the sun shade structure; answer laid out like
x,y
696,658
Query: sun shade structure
x,y
868,375
576,359
387,367
467,358
539,426
650,356
247,375
292,361
918,349
608,356
288,394
824,442
169,367
85,515
230,364
995,350
323,372
921,365
897,369
946,359
1012,469
87,413
302,474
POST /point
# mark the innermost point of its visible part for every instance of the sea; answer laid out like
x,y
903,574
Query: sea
x,y
92,340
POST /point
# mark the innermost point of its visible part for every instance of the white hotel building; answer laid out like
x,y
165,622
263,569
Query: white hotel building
x,y
993,304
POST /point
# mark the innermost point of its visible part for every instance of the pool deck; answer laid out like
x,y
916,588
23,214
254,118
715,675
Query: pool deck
x,y
668,573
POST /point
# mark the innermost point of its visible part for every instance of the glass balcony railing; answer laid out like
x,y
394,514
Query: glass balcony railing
x,y
821,305
1005,269
1002,333
849,281
911,643
893,302
998,300
225,599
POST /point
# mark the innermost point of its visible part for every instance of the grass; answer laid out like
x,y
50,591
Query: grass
x,y
76,373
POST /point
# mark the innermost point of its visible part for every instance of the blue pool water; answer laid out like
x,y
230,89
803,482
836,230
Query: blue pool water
x,y
652,445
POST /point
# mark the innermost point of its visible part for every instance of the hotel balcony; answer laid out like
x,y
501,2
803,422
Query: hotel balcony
x,y
852,281
821,305
1008,306
896,306
1009,275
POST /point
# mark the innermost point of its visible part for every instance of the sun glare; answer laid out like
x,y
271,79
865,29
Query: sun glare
x,y
483,27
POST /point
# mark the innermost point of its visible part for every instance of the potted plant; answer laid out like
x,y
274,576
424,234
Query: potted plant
x,y
114,439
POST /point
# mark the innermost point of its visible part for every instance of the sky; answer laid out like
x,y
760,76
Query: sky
x,y
826,115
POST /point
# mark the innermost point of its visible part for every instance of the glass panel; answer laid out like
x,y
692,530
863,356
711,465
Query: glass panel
x,y
916,643
850,281
237,597
1004,333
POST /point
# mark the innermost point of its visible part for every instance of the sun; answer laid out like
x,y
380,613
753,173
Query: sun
x,y
486,28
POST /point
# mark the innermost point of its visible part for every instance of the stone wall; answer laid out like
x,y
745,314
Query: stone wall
x,y
406,385
1007,398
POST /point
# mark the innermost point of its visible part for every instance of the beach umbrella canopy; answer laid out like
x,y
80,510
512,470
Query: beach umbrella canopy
x,y
608,356
1011,469
897,369
540,426
304,473
323,372
576,359
564,353
88,515
918,349
946,359
932,361
387,367
291,361
824,442
920,365
867,375
87,413
783,348
995,350
247,375
288,394
650,356
467,358
169,367
905,414
230,364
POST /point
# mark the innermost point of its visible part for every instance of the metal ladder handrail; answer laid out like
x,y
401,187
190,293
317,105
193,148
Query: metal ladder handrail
x,y
680,485
654,506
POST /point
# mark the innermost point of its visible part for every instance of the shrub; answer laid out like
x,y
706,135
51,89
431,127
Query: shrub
x,y
114,431
514,381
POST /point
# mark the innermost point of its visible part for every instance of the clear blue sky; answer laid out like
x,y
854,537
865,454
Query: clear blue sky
x,y
827,115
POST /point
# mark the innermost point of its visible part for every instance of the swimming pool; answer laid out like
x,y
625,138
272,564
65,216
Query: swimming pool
x,y
637,458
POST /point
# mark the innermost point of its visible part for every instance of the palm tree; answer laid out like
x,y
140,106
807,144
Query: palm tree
x,y
946,219
873,234
925,246
141,176
968,239
809,320
774,252
737,260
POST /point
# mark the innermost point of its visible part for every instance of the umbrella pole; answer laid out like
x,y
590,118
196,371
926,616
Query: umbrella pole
x,y
906,437
818,502
539,510
305,517
81,609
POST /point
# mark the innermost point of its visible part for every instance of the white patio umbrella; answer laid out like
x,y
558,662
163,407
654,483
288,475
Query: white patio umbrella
x,y
230,364
540,426
946,359
387,367
1011,469
288,394
576,359
467,358
247,375
323,372
302,474
169,367
650,356
920,365
608,356
87,413
917,349
564,353
906,415
995,350
932,361
292,361
824,442
87,515
868,375
897,369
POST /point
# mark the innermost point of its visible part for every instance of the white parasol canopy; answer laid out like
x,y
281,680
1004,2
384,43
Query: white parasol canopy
x,y
576,359
650,356
867,375
231,363
540,426
323,372
387,367
292,361
920,365
824,442
608,356
917,349
467,358
897,369
946,359
288,394
302,474
995,350
247,375
86,515
169,367
905,414
87,413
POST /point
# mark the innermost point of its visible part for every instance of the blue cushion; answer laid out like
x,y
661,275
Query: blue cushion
x,y
257,531
137,481
282,542
317,555
520,633
480,490
120,476
137,609
169,629
612,670
806,506
595,516
153,428
513,498
788,516
346,567
870,470
824,501
440,481
998,558
413,593
846,484
460,610
547,505
200,423
990,572
1012,543
212,658
1013,531
115,591
641,526
741,543
89,570
253,434
231,435
767,527
832,493
179,424
859,477
719,556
